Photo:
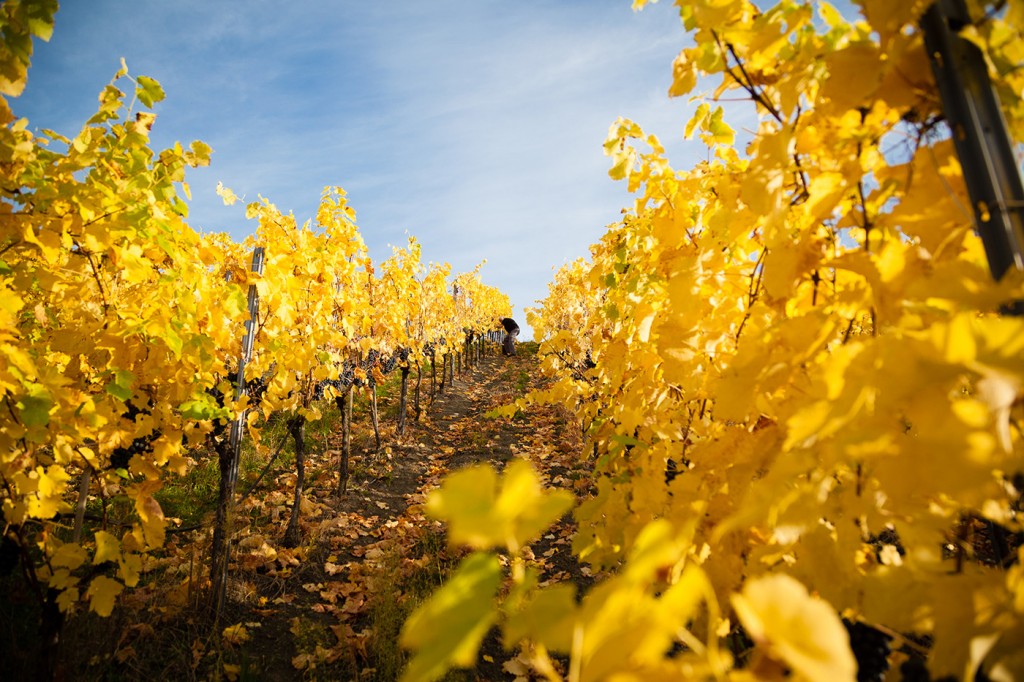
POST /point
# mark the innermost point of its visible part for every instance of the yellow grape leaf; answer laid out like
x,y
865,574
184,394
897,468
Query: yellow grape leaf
x,y
684,75
152,517
964,610
716,130
50,244
793,627
69,556
199,153
829,14
67,598
547,617
956,340
699,120
34,405
824,194
235,634
483,511
61,579
680,601
130,566
523,496
134,267
657,550
736,391
449,627
226,194
623,155
622,163
108,548
102,592
148,91
853,75
505,411
889,17
632,619
1000,342
781,269
16,357
51,484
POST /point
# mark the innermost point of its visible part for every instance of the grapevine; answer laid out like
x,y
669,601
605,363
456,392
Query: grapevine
x,y
795,372
120,331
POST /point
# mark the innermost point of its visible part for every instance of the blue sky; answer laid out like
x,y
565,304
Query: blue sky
x,y
475,126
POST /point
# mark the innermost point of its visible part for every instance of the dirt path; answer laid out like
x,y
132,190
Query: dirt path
x,y
379,545
332,608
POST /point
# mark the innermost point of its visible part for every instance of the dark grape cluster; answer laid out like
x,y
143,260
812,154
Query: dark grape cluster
x,y
121,456
388,364
1017,480
321,388
339,385
398,358
346,378
256,388
888,536
132,412
384,363
215,392
994,544
913,670
871,648
671,471
982,540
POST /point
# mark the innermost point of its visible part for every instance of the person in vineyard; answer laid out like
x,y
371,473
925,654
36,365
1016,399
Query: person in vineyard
x,y
508,346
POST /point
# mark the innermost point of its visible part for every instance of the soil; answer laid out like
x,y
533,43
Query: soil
x,y
332,607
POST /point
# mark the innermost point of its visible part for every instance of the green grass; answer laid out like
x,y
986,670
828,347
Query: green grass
x,y
193,497
395,599
522,382
527,348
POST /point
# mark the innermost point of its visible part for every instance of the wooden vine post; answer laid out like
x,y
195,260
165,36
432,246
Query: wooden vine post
x,y
344,403
248,341
229,456
417,410
297,429
403,398
983,144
